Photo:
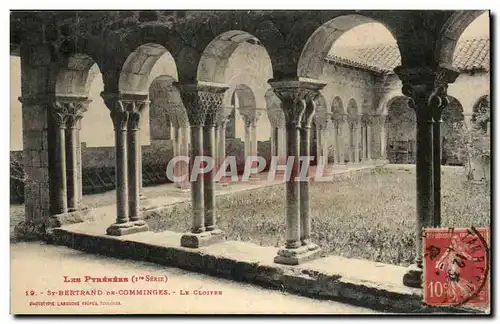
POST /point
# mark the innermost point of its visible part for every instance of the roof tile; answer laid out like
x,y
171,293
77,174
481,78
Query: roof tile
x,y
470,54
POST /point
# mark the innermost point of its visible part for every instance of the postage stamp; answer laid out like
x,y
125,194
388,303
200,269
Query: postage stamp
x,y
456,266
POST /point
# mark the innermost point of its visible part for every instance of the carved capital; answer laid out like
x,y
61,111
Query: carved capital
x,y
67,111
427,88
294,95
125,109
202,101
321,120
367,119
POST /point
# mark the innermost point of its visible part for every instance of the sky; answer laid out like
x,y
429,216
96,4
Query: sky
x,y
375,33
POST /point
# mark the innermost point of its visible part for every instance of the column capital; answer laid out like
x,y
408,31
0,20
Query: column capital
x,y
125,109
67,110
202,101
294,95
321,120
427,87
367,119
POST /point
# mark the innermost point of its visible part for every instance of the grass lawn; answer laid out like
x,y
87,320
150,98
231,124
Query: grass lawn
x,y
367,216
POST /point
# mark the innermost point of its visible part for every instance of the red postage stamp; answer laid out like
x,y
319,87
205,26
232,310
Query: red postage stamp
x,y
456,266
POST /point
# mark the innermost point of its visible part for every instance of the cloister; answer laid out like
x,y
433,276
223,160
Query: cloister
x,y
175,70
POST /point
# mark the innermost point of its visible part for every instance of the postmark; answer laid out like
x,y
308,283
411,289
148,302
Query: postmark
x,y
456,266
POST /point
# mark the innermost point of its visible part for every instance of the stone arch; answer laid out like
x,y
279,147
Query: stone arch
x,y
337,106
76,75
215,57
352,108
135,76
401,131
451,32
243,98
481,106
312,57
166,108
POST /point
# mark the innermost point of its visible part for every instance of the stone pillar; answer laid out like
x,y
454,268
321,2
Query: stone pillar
x,y
281,149
254,143
363,142
135,105
305,149
125,115
202,101
321,122
222,120
294,95
426,89
369,122
79,166
357,137
59,117
76,106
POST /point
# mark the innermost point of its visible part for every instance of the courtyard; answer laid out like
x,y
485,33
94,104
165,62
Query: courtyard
x,y
366,214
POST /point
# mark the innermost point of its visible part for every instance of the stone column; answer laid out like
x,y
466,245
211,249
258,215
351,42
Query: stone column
x,y
305,149
135,105
321,142
294,95
440,102
121,111
222,120
202,101
363,141
281,133
369,122
357,137
76,106
59,118
426,89
254,142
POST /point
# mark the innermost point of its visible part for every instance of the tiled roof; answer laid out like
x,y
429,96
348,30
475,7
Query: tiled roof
x,y
470,55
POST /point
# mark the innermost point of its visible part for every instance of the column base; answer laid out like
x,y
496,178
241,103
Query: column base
x,y
29,231
119,229
413,277
196,240
299,255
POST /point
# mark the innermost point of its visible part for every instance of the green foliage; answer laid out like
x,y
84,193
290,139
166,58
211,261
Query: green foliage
x,y
473,142
367,215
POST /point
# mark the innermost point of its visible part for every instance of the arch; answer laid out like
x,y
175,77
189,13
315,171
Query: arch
x,y
337,106
166,107
401,131
454,111
481,106
136,71
76,74
243,99
215,57
454,26
352,107
312,57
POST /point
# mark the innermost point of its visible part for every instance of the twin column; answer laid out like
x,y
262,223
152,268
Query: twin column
x,y
66,112
426,88
202,101
125,112
297,98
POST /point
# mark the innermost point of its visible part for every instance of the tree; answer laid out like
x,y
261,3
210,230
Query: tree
x,y
473,142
